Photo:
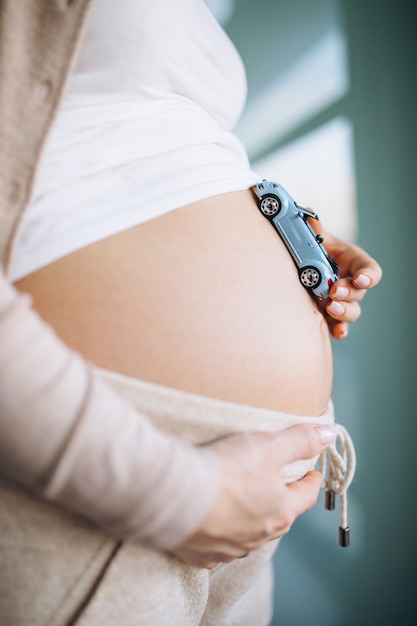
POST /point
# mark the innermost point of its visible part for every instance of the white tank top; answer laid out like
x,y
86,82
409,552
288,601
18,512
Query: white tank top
x,y
144,127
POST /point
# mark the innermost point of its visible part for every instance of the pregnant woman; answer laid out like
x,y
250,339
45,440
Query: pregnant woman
x,y
143,248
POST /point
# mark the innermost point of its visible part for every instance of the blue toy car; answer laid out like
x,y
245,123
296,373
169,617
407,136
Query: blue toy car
x,y
316,269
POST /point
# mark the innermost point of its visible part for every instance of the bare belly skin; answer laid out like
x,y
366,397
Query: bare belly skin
x,y
205,299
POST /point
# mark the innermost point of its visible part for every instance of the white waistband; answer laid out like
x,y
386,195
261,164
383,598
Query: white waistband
x,y
199,419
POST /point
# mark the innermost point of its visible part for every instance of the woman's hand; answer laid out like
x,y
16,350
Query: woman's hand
x,y
358,273
254,504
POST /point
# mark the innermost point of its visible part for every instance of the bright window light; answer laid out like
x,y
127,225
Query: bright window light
x,y
312,83
317,170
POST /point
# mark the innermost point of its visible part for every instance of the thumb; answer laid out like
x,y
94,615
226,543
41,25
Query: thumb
x,y
303,441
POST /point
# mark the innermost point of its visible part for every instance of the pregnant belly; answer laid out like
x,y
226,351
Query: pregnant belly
x,y
205,298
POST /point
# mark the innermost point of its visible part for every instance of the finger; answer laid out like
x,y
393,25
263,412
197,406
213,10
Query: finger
x,y
339,330
368,276
364,271
207,559
303,441
303,493
344,290
344,311
354,260
301,496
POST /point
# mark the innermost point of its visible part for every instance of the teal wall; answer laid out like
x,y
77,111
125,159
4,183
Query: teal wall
x,y
382,42
373,581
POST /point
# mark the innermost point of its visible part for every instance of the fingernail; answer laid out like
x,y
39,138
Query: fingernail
x,y
336,308
362,281
341,292
327,433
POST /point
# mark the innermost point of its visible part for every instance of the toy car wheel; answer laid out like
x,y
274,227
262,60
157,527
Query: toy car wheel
x,y
270,206
310,277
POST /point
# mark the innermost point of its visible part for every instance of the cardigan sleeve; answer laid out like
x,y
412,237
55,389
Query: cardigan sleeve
x,y
70,439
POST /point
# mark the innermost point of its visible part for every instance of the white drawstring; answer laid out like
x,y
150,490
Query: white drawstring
x,y
338,461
